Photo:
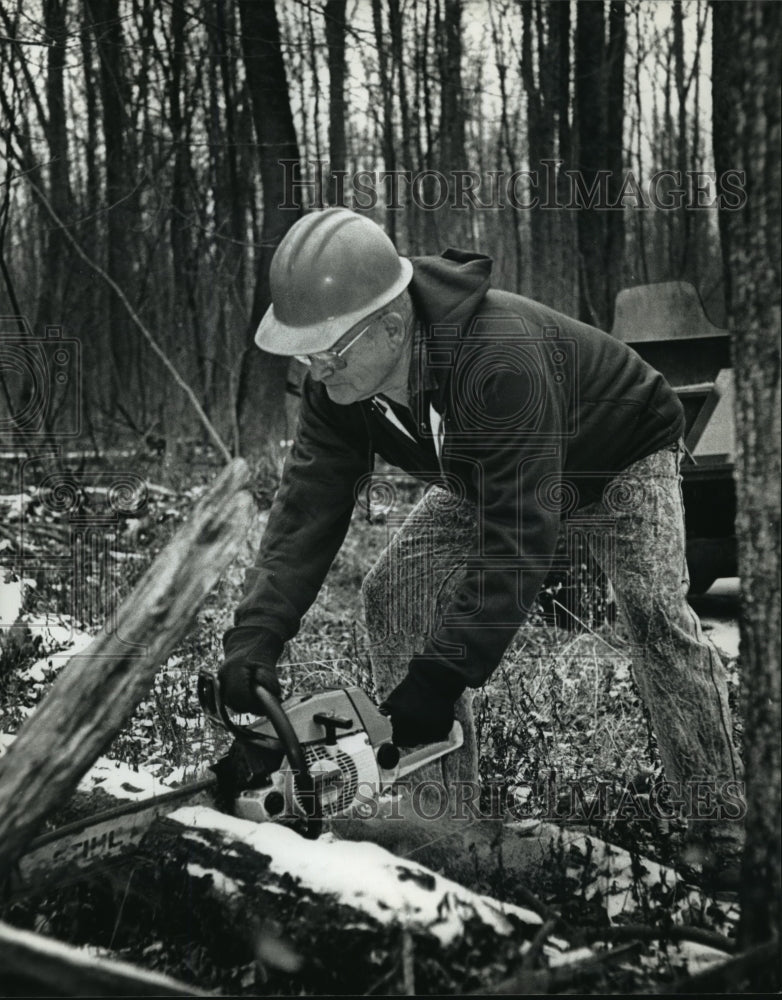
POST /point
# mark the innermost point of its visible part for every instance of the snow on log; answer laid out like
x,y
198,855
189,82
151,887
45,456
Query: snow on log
x,y
471,848
465,847
625,884
28,959
362,876
99,688
347,909
515,858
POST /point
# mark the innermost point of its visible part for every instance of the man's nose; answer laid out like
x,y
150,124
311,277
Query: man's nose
x,y
320,370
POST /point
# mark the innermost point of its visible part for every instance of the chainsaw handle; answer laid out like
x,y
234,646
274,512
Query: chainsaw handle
x,y
302,778
210,696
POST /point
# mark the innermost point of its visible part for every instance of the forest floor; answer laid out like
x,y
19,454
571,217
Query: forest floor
x,y
562,711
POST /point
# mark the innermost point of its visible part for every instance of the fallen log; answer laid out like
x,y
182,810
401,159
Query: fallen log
x,y
257,897
98,689
506,860
30,960
249,893
353,913
519,862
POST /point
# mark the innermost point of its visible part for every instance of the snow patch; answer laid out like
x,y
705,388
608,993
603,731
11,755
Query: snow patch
x,y
60,636
187,773
228,886
11,600
700,956
364,876
62,649
121,781
724,634
569,957
14,505
617,881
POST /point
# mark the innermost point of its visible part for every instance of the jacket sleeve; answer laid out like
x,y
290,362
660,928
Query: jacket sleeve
x,y
310,514
513,452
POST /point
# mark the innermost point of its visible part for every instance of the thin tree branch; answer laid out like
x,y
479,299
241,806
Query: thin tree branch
x,y
674,933
138,322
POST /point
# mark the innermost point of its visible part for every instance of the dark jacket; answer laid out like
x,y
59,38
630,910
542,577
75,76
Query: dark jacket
x,y
532,403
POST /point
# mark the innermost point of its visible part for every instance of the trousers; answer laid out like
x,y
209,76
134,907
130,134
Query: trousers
x,y
638,539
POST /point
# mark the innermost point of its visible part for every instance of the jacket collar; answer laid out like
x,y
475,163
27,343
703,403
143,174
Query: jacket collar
x,y
425,384
446,292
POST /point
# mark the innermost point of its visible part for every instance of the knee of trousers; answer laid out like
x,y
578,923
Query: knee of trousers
x,y
374,586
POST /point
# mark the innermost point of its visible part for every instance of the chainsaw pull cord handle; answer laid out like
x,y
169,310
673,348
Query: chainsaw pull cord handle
x,y
302,778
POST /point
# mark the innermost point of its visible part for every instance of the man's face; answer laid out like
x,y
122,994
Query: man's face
x,y
363,368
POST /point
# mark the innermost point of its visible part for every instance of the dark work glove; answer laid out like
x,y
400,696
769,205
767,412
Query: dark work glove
x,y
421,708
251,654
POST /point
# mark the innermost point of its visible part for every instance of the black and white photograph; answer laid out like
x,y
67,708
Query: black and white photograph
x,y
390,497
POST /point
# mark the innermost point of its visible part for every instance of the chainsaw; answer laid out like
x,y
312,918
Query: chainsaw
x,y
313,757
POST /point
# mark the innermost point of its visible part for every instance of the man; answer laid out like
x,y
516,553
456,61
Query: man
x,y
516,416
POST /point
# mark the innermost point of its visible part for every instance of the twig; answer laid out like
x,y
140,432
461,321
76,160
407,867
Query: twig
x,y
25,41
167,364
725,976
587,628
408,963
675,933
531,955
526,897
9,533
541,981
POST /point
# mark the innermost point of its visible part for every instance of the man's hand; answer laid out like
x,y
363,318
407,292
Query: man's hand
x,y
421,711
250,658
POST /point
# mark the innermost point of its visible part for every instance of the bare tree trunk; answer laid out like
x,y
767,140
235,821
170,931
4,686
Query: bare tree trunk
x,y
400,65
506,145
746,84
184,318
682,139
590,124
642,270
235,194
387,92
615,107
261,395
567,258
536,125
541,51
106,22
52,307
453,155
336,27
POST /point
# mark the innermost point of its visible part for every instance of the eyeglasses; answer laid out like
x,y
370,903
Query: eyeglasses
x,y
330,359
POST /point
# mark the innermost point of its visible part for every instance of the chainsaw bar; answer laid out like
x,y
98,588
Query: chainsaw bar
x,y
108,839
103,840
303,764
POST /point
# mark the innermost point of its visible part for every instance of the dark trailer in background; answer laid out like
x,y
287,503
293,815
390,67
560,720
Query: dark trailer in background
x,y
666,324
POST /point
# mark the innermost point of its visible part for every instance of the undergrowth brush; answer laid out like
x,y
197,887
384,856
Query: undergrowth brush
x,y
562,733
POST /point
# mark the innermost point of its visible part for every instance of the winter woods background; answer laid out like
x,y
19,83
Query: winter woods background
x,y
150,135
154,153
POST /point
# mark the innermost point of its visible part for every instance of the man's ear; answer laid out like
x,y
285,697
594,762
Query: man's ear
x,y
394,325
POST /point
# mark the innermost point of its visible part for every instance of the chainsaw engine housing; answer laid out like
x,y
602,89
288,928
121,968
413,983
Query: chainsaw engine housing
x,y
347,746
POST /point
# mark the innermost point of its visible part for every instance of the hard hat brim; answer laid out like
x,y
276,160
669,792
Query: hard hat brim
x,y
277,337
